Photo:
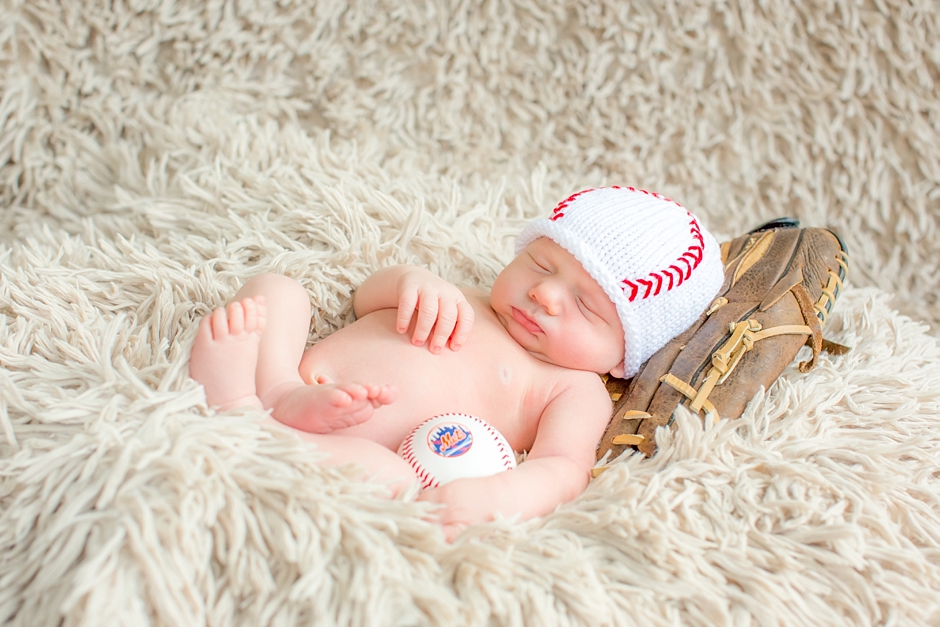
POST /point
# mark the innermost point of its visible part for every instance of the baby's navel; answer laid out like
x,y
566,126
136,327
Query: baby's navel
x,y
505,374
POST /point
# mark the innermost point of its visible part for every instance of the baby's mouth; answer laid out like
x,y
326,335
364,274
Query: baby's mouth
x,y
525,321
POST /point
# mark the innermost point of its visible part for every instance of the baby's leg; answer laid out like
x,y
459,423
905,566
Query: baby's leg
x,y
312,408
285,334
380,463
225,353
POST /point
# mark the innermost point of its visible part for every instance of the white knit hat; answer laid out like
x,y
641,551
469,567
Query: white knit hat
x,y
650,255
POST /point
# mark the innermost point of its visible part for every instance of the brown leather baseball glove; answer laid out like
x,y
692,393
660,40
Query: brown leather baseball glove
x,y
781,282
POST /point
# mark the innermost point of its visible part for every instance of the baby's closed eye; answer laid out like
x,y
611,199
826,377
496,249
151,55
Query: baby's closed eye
x,y
541,265
585,307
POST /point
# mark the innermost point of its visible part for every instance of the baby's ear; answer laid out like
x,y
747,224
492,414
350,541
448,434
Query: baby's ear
x,y
617,371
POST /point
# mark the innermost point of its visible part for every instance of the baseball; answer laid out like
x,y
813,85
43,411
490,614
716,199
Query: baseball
x,y
455,446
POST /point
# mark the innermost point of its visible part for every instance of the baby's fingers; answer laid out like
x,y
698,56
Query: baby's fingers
x,y
407,302
427,316
446,320
464,324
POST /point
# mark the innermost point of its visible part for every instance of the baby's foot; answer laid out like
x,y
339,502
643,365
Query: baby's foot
x,y
324,408
225,354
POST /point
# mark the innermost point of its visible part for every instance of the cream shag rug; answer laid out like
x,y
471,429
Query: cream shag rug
x,y
155,154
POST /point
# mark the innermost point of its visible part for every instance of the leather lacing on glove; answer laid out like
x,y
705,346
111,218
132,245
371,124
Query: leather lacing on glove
x,y
742,335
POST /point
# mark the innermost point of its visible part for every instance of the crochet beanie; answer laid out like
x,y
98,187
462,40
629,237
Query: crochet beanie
x,y
650,255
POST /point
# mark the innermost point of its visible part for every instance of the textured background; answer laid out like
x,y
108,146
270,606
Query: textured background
x,y
153,155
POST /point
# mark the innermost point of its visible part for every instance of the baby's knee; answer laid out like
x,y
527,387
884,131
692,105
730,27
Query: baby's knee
x,y
272,281
277,287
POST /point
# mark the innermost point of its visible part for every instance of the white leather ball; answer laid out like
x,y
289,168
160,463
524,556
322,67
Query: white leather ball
x,y
455,446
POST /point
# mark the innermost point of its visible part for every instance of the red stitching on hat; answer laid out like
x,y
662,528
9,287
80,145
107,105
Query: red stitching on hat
x,y
558,211
678,272
674,274
659,282
633,287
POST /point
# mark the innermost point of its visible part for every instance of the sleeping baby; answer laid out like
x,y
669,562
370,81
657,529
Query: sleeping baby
x,y
599,286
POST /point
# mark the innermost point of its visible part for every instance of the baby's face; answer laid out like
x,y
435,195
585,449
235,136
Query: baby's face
x,y
552,307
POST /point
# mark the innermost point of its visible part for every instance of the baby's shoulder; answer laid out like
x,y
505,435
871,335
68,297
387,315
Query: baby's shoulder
x,y
574,420
580,389
478,299
476,292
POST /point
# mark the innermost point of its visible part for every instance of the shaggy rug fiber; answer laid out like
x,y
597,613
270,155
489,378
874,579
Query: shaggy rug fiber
x,y
154,154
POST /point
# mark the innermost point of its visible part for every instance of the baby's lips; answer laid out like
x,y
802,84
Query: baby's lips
x,y
525,321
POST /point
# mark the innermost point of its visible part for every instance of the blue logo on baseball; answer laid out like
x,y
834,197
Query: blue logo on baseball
x,y
450,440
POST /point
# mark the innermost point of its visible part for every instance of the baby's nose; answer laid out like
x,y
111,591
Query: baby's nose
x,y
547,296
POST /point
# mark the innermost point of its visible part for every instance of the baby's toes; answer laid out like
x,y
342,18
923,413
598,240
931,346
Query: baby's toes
x,y
382,394
357,392
236,318
262,318
250,307
340,398
347,395
219,323
205,329
361,415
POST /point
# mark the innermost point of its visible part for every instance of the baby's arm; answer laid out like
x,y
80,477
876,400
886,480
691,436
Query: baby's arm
x,y
556,470
441,306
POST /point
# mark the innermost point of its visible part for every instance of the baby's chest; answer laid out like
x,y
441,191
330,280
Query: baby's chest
x,y
490,377
502,383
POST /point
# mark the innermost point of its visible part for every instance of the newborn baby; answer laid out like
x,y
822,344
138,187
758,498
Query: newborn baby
x,y
609,278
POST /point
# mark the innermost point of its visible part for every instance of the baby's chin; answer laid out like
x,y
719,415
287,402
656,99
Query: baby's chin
x,y
524,341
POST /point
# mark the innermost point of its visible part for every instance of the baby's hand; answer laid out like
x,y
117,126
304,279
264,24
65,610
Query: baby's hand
x,y
465,504
443,311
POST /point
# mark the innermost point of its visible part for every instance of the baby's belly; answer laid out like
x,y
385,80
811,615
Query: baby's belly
x,y
479,379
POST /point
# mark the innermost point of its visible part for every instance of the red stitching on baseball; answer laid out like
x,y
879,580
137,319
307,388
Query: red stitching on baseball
x,y
508,462
425,475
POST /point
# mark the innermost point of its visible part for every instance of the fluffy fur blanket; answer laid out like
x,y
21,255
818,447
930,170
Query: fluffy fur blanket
x,y
156,153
